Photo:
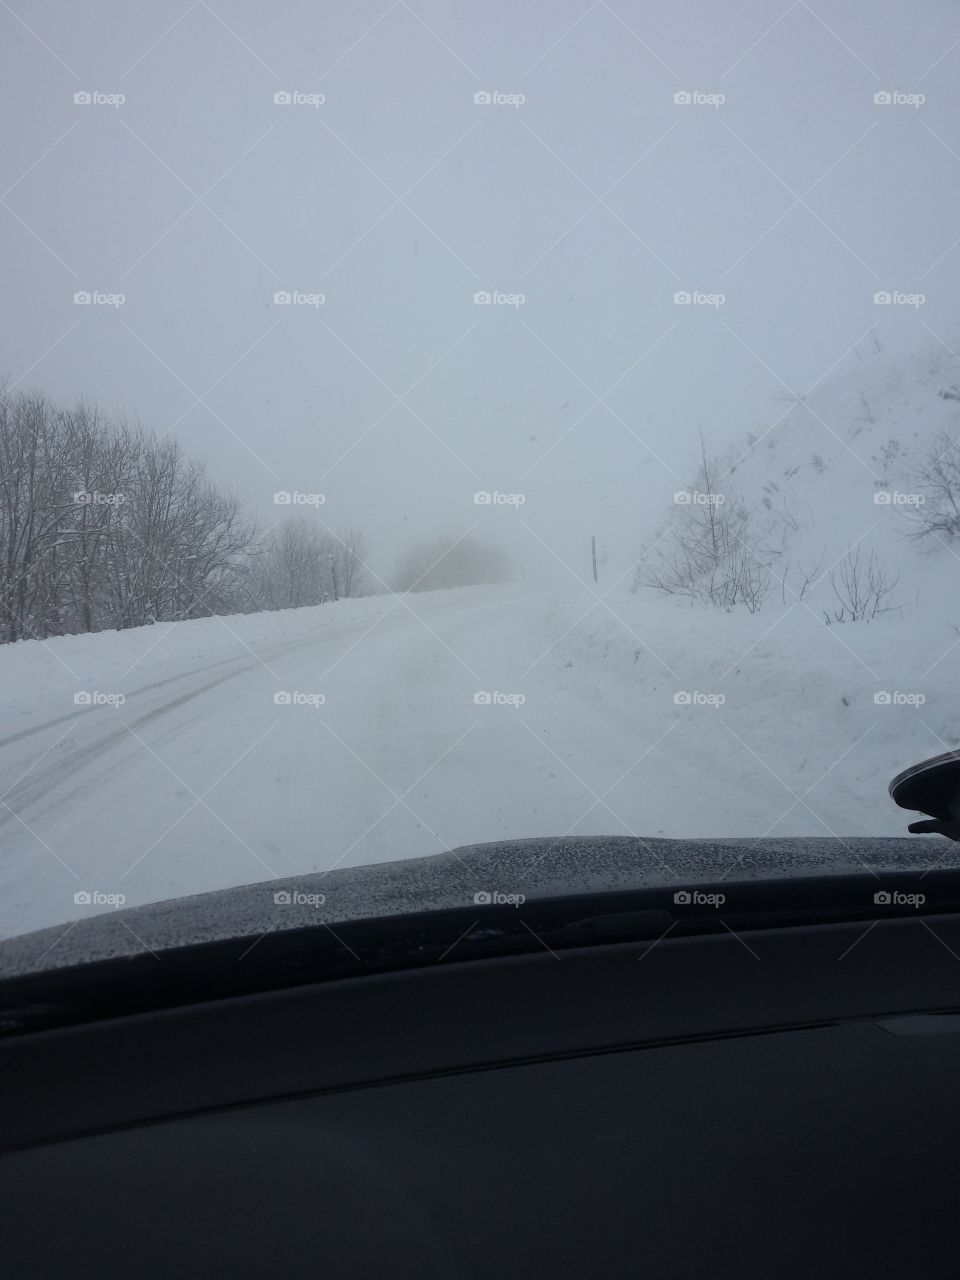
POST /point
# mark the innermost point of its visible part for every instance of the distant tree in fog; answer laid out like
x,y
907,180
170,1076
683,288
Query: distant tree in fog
x,y
451,562
290,567
300,562
350,554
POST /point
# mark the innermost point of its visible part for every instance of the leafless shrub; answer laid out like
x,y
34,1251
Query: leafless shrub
x,y
863,588
710,552
805,578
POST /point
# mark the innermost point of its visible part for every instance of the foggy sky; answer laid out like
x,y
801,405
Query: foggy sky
x,y
399,198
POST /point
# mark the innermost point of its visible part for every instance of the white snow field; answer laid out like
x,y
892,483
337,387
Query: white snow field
x,y
201,780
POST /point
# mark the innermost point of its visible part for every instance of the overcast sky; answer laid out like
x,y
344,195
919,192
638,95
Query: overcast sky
x,y
783,186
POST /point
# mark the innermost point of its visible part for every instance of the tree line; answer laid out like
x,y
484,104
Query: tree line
x,y
104,525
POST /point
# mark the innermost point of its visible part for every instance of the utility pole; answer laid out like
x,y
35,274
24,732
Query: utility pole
x,y
593,549
333,575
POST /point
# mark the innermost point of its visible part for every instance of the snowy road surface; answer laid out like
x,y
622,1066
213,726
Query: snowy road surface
x,y
201,779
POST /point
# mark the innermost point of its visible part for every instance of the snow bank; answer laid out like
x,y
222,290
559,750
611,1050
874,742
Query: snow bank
x,y
840,708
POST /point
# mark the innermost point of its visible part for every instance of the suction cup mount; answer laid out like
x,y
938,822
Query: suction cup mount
x,y
933,787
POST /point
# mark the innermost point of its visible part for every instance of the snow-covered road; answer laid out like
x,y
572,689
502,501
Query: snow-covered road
x,y
201,779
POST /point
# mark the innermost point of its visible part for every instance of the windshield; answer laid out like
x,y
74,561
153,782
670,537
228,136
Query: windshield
x,y
428,424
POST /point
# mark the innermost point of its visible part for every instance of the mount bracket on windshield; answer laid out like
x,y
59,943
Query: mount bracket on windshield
x,y
933,787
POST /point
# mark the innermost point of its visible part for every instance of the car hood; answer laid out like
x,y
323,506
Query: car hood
x,y
540,868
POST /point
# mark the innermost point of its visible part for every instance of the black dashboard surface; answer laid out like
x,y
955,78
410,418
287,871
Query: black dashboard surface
x,y
769,1104
828,1151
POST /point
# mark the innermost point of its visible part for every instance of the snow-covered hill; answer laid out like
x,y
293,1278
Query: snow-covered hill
x,y
839,469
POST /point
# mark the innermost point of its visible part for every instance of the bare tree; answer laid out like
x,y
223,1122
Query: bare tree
x,y
936,482
291,569
33,503
95,454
